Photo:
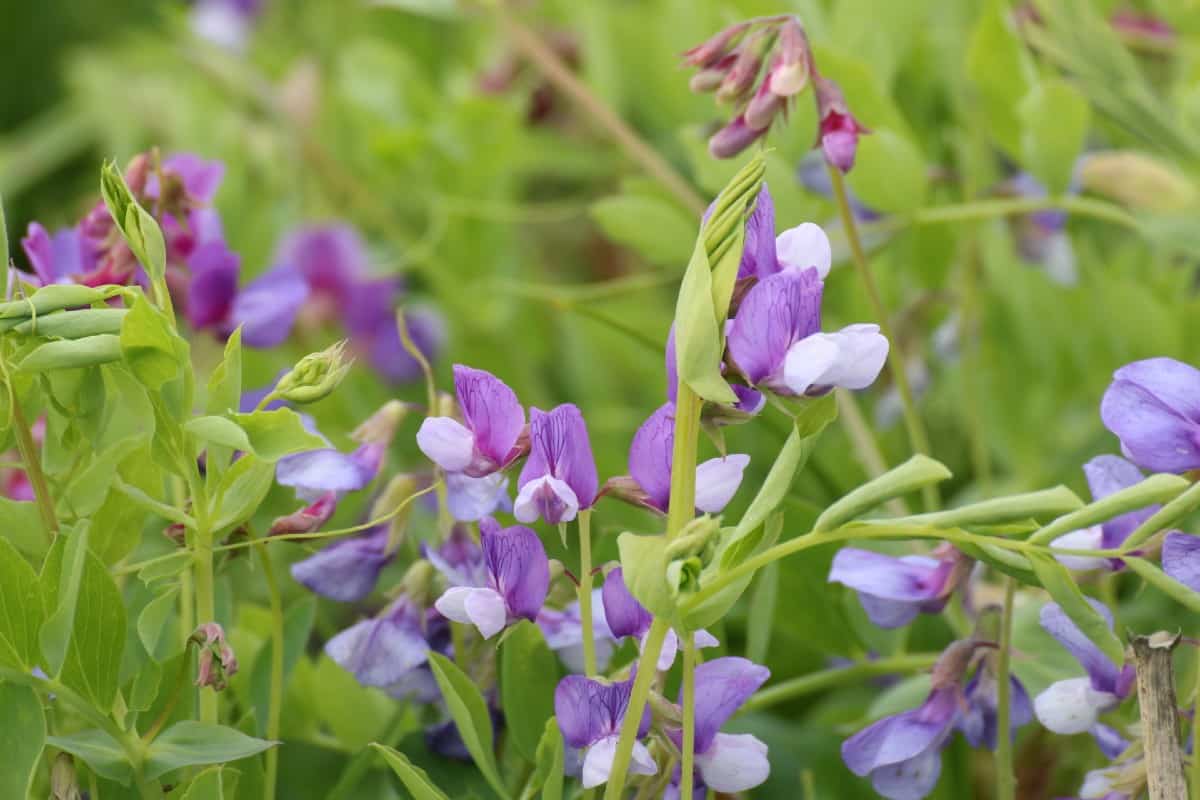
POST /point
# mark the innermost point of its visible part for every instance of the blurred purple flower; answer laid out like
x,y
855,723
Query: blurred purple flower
x,y
559,478
1181,558
332,258
382,650
589,715
893,590
347,569
979,721
627,617
564,633
1105,475
1153,407
226,23
459,559
491,438
471,499
55,259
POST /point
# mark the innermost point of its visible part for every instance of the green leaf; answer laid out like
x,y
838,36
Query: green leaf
x,y
72,353
644,567
412,776
218,431
99,751
20,610
190,743
22,737
355,714
1155,489
151,346
166,569
146,683
528,672
243,487
889,172
214,783
762,613
548,769
1056,579
75,324
93,663
63,587
88,490
1001,70
698,337
23,526
225,383
155,626
916,473
1055,117
277,433
657,229
1160,580
469,711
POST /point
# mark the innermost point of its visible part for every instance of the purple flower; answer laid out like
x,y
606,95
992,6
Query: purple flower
x,y
200,177
777,343
559,478
315,472
378,337
1153,407
1074,705
650,457
517,579
56,258
471,499
213,285
564,633
1105,475
347,569
765,254
839,130
1181,558
978,722
332,259
726,762
266,308
627,617
381,651
459,559
749,401
894,590
225,23
490,439
589,715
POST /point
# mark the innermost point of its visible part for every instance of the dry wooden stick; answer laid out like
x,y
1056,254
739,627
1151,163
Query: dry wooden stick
x,y
1160,715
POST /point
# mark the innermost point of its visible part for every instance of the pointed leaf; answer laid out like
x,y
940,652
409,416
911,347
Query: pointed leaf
x,y
191,743
99,751
22,736
412,776
470,713
20,610
548,771
277,433
916,473
63,588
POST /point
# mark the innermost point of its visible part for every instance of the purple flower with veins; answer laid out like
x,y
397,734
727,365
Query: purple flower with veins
x,y
1075,705
1181,558
725,762
383,650
627,617
459,559
559,478
893,590
589,715
347,569
489,440
564,633
777,343
1105,475
650,458
517,579
1153,407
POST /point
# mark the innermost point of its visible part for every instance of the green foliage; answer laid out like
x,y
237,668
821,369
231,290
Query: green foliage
x,y
523,655
1055,116
470,714
548,772
412,776
22,610
188,743
21,738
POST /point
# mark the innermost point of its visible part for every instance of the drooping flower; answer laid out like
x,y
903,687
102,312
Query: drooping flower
x,y
627,617
893,590
517,579
559,477
489,440
1105,475
217,662
381,651
564,633
725,762
1153,407
777,343
590,714
1075,705
839,130
346,570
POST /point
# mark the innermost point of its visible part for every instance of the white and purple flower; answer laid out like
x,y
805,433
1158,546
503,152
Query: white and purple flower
x,y
490,437
894,590
625,616
590,714
559,477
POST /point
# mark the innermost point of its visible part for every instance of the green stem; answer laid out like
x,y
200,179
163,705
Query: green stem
x,y
33,467
682,505
1008,207
912,417
838,676
1006,779
585,591
646,670
687,756
275,709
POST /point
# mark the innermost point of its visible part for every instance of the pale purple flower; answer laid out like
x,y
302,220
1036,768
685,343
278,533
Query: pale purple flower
x,y
839,130
1042,236
979,723
590,714
893,590
1181,558
382,651
563,631
765,254
267,306
650,457
517,579
1153,407
749,401
777,343
490,438
312,473
347,569
471,499
559,477
56,258
459,559
1105,475
225,23
332,258
627,617
1075,705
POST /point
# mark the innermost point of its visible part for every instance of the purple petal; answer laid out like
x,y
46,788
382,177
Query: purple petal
x,y
1110,741
331,258
758,253
778,312
493,414
346,570
1181,559
888,614
733,763
200,177
910,579
625,615
722,685
1106,475
560,448
447,443
380,651
1105,675
589,710
650,455
548,498
717,480
1152,434
471,499
57,257
213,286
459,559
324,470
371,304
517,564
1175,384
266,308
899,738
913,779
979,724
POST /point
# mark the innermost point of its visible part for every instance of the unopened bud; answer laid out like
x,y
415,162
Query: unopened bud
x,y
732,139
315,376
744,72
217,661
762,108
709,80
710,52
694,537
839,131
626,489
381,426
1136,180
789,75
417,582
307,519
665,714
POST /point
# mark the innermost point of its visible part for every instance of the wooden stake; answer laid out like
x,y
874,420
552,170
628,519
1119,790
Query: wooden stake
x,y
1160,715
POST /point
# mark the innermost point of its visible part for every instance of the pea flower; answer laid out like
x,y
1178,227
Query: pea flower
x,y
838,131
893,590
459,559
563,631
1181,558
1153,407
724,762
383,650
225,23
346,570
764,254
1075,705
517,579
777,343
627,617
1105,475
559,477
589,715
471,499
491,438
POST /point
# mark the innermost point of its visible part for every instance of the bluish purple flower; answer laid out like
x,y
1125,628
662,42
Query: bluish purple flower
x,y
332,258
381,651
893,590
1105,475
378,338
225,23
726,762
517,579
1181,558
777,343
490,439
563,631
1042,236
589,715
315,472
213,285
1075,705
471,499
459,559
56,258
347,569
559,477
1153,407
627,617
978,722
650,457
267,306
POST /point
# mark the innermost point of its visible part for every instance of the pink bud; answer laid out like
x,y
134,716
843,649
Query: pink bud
x,y
742,75
708,79
789,75
217,661
735,137
307,519
839,129
711,51
763,107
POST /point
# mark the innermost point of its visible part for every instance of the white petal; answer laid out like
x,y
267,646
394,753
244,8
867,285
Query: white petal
x,y
642,763
527,510
471,499
807,360
734,763
446,443
487,611
1097,785
862,352
666,654
804,246
1072,706
453,604
717,480
702,639
597,763
1084,539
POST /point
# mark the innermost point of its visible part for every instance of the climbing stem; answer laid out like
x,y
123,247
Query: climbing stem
x,y
646,670
688,751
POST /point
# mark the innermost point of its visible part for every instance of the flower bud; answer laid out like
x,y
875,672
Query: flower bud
x,y
839,130
307,519
762,108
217,661
789,75
417,583
732,139
399,489
710,79
713,50
381,426
1136,180
315,376
744,72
